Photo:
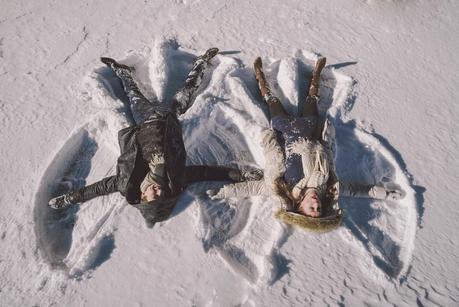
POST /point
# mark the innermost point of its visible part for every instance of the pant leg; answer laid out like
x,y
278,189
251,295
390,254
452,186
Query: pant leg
x,y
275,106
181,101
141,107
310,106
310,109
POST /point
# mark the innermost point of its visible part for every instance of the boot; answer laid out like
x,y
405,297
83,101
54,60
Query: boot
x,y
63,201
209,54
315,80
260,76
115,65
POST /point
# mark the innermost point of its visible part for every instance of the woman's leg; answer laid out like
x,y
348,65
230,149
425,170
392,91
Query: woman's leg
x,y
141,107
310,106
181,101
275,106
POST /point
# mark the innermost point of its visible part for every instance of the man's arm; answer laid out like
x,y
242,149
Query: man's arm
x,y
195,173
105,186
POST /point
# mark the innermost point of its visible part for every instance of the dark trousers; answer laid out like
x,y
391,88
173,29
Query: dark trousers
x,y
143,109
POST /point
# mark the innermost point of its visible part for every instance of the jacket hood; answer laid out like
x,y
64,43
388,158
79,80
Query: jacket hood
x,y
319,225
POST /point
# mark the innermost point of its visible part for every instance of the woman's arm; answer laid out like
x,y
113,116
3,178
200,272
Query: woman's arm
x,y
274,157
240,190
347,189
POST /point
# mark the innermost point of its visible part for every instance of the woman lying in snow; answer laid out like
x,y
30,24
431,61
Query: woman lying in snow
x,y
301,172
151,171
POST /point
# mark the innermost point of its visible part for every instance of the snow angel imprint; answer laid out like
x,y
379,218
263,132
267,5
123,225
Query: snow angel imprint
x,y
299,164
151,171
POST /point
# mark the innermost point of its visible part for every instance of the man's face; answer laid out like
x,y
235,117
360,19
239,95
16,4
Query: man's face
x,y
153,192
311,204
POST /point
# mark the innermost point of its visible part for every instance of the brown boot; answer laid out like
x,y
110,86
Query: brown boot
x,y
260,76
315,80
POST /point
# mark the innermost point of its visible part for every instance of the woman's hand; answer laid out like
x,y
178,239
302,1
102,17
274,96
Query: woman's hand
x,y
387,192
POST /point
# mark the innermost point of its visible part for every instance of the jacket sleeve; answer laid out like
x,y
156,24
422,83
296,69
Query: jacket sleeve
x,y
384,191
274,157
243,189
105,186
195,173
358,190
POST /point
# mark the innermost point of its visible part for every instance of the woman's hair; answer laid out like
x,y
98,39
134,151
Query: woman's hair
x,y
283,190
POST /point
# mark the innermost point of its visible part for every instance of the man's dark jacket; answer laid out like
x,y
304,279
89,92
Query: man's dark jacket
x,y
137,144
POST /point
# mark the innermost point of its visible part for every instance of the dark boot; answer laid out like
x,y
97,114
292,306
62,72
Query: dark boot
x,y
63,201
209,54
315,80
260,76
115,65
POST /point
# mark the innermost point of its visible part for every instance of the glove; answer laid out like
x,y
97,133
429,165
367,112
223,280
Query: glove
x,y
386,193
62,201
394,194
215,194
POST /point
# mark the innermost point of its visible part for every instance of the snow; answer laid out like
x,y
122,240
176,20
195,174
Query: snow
x,y
389,89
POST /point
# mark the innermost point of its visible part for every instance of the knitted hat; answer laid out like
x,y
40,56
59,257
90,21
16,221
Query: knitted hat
x,y
157,210
319,224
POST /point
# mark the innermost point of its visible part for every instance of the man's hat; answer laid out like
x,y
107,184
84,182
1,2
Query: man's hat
x,y
157,210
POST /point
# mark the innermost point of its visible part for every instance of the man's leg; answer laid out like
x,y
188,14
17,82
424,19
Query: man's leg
x,y
275,106
181,101
141,107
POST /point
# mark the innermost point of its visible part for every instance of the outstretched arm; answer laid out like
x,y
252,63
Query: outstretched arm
x,y
347,189
105,186
274,156
241,190
195,173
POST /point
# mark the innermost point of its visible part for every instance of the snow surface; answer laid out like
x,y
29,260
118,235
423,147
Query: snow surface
x,y
389,89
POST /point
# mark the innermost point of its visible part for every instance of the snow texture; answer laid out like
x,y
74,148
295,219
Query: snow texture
x,y
389,90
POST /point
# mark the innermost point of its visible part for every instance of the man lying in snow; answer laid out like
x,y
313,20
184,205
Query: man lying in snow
x,y
301,172
151,171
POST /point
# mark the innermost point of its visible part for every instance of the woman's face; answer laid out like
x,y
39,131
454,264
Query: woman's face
x,y
311,204
153,192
